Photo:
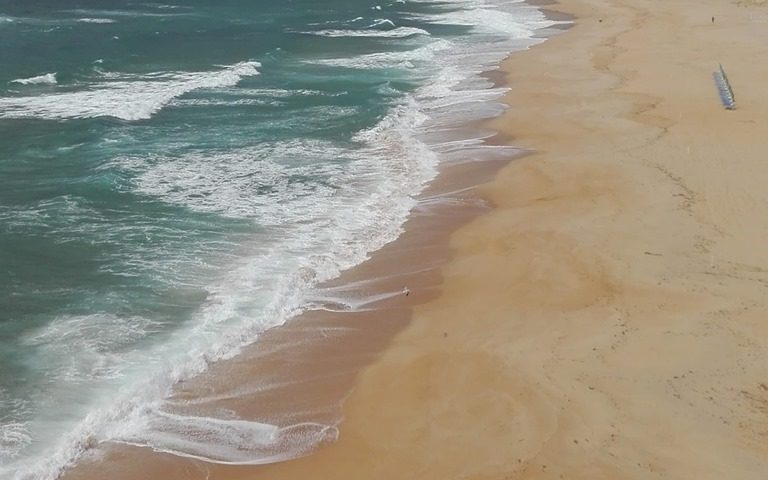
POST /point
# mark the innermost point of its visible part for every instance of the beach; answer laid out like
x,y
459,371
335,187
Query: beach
x,y
214,215
607,318
602,314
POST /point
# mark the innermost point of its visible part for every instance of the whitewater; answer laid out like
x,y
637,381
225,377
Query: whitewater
x,y
185,180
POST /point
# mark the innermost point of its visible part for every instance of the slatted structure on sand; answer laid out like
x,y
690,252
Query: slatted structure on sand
x,y
724,88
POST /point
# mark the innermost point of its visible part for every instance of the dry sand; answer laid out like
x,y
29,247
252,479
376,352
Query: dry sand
x,y
609,318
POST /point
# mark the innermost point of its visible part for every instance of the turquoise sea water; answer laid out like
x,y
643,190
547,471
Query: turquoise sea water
x,y
174,177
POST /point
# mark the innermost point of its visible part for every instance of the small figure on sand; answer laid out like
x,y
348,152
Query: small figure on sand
x,y
406,291
713,19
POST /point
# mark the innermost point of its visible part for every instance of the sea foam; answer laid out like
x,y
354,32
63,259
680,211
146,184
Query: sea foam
x,y
406,59
399,32
365,207
82,348
328,223
231,441
45,79
95,20
123,96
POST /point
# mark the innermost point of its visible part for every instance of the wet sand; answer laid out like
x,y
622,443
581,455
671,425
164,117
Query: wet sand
x,y
607,318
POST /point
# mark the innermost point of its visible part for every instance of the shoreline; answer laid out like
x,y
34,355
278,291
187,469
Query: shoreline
x,y
597,322
335,345
309,387
315,390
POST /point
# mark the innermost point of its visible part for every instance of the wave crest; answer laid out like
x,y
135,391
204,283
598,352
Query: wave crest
x,y
124,97
95,20
399,32
45,79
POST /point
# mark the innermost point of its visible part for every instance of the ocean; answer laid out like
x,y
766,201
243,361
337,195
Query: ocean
x,y
175,177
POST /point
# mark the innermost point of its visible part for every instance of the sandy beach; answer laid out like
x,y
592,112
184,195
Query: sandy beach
x,y
607,318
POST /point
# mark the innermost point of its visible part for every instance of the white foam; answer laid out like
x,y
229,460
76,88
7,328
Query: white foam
x,y
210,102
231,441
372,198
105,13
522,22
404,59
86,347
95,20
257,182
45,79
492,20
325,300
399,32
124,97
14,437
382,22
266,96
361,207
278,93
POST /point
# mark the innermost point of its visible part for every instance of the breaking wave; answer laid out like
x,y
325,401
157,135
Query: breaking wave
x,y
125,97
45,79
